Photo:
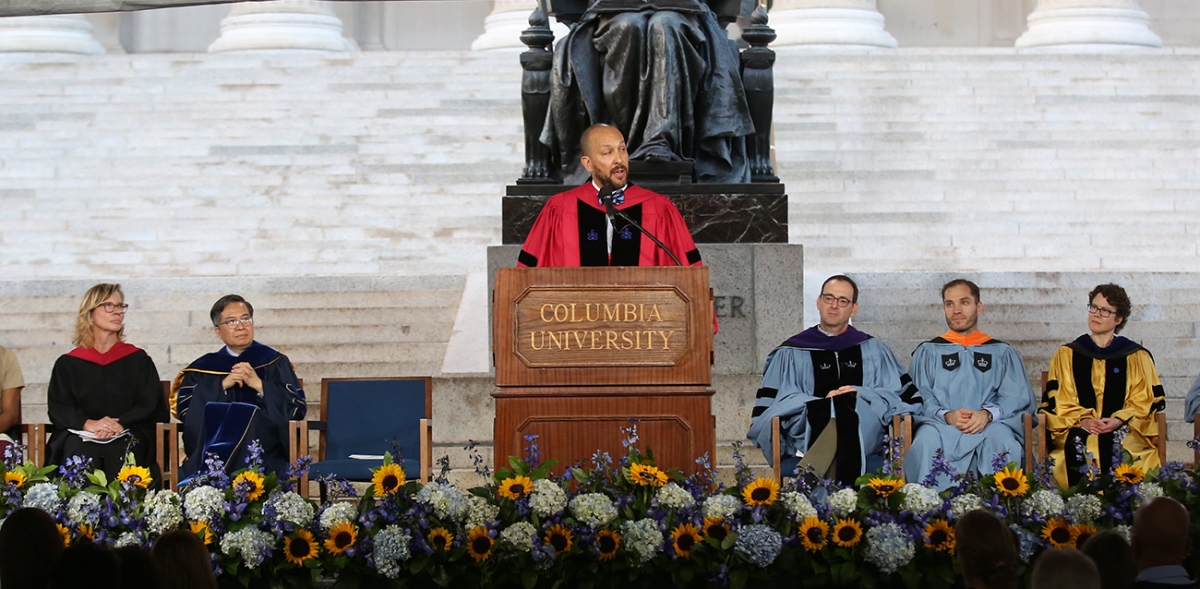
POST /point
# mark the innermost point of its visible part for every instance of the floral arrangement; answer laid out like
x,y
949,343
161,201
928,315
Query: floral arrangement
x,y
609,523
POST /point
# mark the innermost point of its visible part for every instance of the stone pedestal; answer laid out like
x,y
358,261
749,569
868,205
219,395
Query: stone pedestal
x,y
502,28
829,22
281,25
1088,22
48,34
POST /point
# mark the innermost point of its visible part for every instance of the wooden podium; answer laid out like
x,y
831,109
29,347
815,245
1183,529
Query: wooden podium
x,y
581,351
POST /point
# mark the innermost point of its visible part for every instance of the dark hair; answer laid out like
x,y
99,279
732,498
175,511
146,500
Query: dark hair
x,y
1064,567
138,568
1113,558
219,307
86,565
842,278
29,546
1116,296
986,550
962,282
185,561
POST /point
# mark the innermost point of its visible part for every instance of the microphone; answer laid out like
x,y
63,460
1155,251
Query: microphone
x,y
606,197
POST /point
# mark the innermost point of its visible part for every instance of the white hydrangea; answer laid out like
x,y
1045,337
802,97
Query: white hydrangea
x,y
337,513
44,496
1147,491
1084,508
919,499
888,548
128,539
447,501
593,509
961,505
293,509
1123,530
391,547
204,504
642,538
843,502
1045,504
84,508
798,505
672,496
250,543
163,511
721,506
548,498
481,512
520,535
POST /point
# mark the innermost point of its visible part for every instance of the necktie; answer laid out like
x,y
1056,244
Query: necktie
x,y
618,197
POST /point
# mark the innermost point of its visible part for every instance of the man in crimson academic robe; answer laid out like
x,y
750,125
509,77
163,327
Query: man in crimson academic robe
x,y
243,392
834,389
975,391
573,229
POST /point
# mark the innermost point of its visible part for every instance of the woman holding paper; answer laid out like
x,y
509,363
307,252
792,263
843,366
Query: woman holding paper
x,y
105,396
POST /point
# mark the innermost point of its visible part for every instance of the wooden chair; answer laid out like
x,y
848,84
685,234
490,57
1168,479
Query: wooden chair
x,y
361,417
33,436
902,425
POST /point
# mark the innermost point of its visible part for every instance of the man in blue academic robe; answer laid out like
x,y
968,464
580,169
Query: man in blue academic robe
x,y
243,392
975,390
835,389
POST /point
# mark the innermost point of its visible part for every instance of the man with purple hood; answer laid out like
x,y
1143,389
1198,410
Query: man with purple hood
x,y
834,389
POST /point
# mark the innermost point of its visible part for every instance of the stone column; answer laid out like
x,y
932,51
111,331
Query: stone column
x,y
281,24
829,22
503,27
1088,22
48,34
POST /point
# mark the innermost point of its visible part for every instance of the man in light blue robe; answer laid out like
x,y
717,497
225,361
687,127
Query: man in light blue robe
x,y
975,390
834,388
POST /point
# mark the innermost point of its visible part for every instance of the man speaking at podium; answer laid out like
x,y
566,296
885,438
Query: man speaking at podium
x,y
596,223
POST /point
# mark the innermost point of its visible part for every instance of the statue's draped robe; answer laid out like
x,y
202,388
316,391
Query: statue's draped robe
x,y
665,73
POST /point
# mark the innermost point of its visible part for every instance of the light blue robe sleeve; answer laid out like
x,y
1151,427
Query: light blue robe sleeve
x,y
1191,403
786,387
1013,395
887,389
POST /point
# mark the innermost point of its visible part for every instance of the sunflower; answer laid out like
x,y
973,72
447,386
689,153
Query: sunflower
x,y
715,528
1080,533
13,476
762,491
66,534
515,487
439,539
940,536
138,475
885,487
301,548
85,531
813,533
1058,533
479,544
1011,481
201,529
684,537
256,484
558,537
341,537
608,542
647,475
388,479
847,533
1128,473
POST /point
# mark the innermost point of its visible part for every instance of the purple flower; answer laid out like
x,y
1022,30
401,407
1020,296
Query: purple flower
x,y
1000,460
14,454
533,455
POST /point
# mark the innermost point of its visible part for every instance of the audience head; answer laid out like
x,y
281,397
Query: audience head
x,y
986,551
1113,558
100,306
1159,536
138,568
961,303
605,156
86,564
30,544
1110,298
1064,568
184,560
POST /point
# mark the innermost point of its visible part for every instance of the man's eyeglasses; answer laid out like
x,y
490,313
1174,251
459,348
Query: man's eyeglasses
x,y
113,307
1101,311
829,299
232,323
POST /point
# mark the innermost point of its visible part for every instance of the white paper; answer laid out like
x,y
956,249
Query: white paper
x,y
366,456
90,437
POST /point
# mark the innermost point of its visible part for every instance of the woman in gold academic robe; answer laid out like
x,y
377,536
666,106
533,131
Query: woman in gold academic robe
x,y
1102,386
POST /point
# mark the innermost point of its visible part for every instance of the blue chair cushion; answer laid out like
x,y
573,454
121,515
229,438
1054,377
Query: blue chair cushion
x,y
359,470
